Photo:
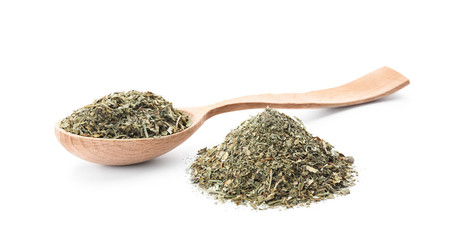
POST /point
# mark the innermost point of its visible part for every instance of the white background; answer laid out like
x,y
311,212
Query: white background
x,y
56,56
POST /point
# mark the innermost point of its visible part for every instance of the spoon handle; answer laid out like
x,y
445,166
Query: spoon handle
x,y
379,83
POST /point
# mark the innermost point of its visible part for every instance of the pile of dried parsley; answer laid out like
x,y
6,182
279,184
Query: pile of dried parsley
x,y
271,160
123,115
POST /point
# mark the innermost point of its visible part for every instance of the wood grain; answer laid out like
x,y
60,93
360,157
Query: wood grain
x,y
375,85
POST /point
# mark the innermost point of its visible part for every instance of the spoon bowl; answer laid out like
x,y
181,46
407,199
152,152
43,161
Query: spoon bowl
x,y
379,83
122,151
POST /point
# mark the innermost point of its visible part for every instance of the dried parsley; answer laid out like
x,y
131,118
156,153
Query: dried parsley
x,y
123,115
271,160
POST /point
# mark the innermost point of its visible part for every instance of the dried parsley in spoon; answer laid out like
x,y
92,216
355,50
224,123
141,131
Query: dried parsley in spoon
x,y
124,115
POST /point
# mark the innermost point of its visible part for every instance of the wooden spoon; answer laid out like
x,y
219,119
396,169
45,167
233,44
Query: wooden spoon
x,y
377,84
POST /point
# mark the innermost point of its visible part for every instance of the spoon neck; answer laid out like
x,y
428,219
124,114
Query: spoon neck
x,y
291,100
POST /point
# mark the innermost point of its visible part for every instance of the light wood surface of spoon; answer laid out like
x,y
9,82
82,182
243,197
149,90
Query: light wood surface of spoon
x,y
379,83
